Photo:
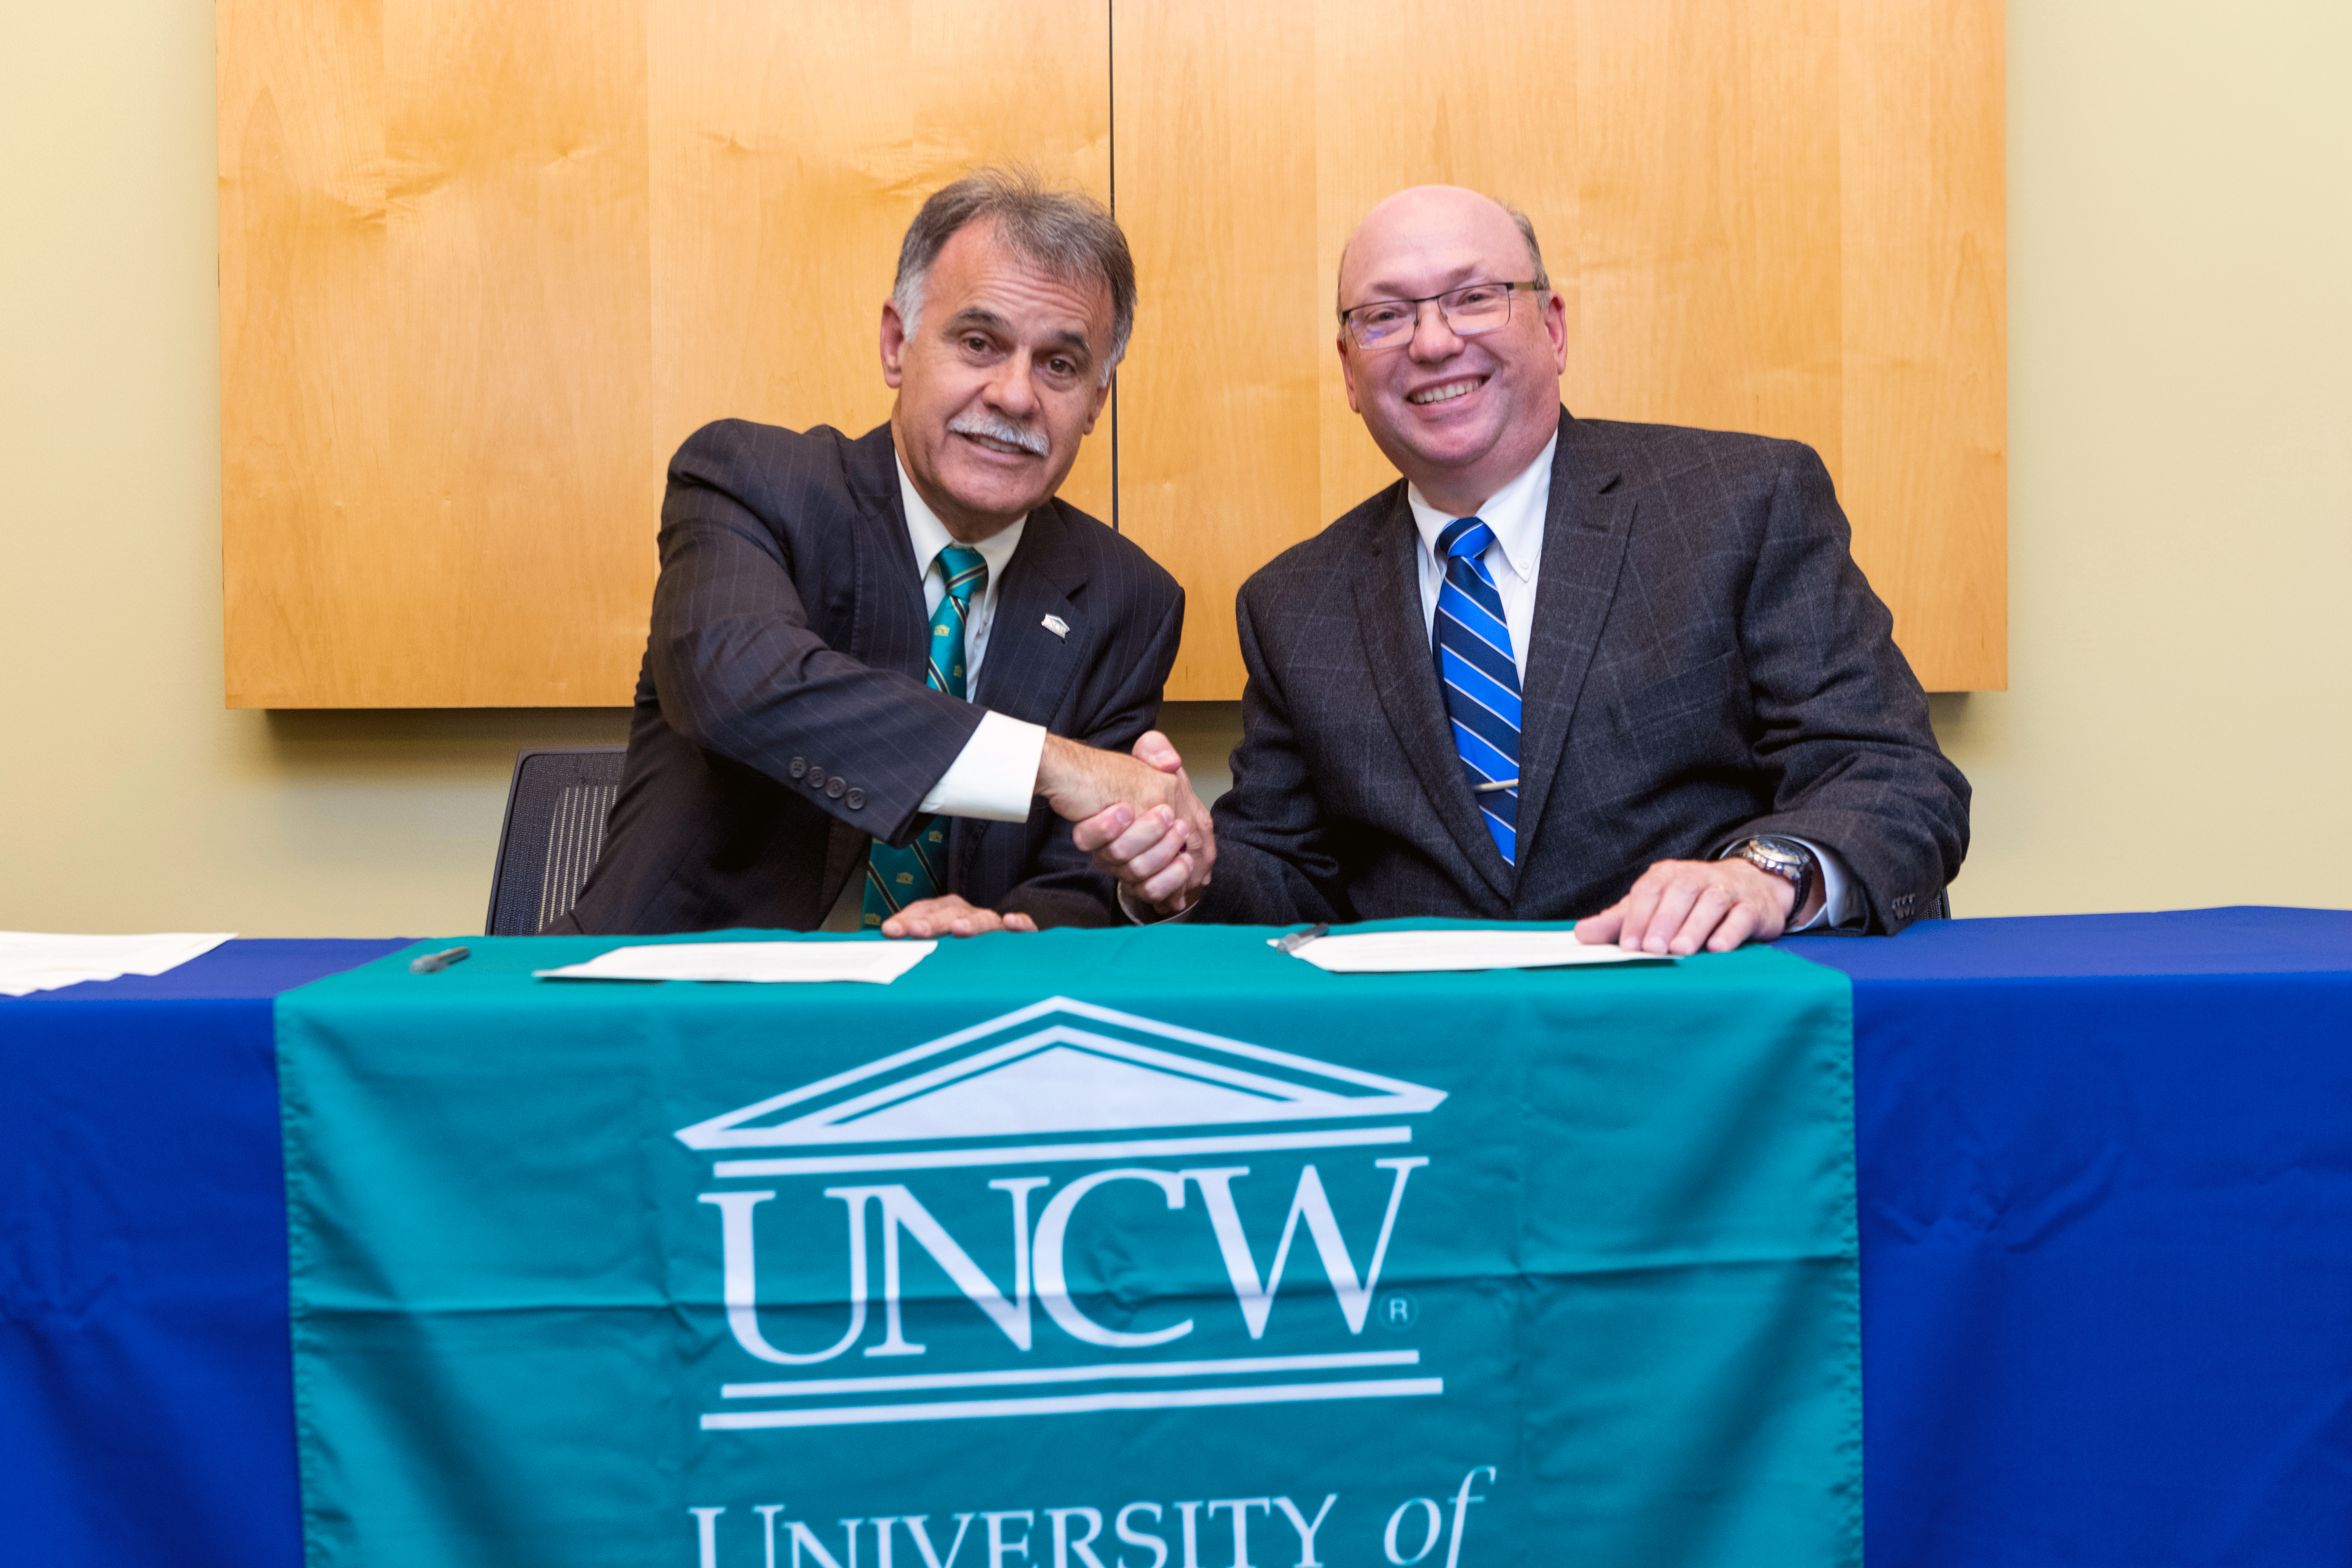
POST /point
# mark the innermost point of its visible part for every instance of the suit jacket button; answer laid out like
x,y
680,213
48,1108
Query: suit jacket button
x,y
833,786
856,800
800,766
815,779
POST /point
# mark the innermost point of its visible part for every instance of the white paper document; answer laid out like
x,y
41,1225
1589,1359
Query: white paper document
x,y
876,962
1423,952
34,960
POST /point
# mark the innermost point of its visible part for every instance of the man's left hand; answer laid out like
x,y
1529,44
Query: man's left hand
x,y
949,915
1679,906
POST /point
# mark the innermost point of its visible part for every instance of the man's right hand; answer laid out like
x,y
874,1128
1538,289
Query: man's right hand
x,y
1137,816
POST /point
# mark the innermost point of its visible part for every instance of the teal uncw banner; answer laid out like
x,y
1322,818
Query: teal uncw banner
x,y
1116,1249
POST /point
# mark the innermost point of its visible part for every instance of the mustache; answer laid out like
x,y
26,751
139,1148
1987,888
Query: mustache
x,y
1033,442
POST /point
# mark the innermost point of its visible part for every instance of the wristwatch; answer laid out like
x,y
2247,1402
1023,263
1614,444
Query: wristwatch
x,y
1782,858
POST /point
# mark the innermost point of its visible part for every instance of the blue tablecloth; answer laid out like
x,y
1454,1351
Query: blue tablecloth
x,y
2105,1169
146,1385
2106,1211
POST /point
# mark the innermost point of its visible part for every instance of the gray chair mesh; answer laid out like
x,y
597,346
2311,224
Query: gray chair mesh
x,y
555,830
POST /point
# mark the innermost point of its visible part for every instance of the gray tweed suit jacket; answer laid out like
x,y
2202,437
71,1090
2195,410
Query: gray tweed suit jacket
x,y
782,720
1707,663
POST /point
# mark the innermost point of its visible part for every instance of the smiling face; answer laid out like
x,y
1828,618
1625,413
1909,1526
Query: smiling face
x,y
998,382
1459,416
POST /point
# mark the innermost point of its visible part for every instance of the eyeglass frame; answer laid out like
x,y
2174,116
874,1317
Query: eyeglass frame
x,y
1509,287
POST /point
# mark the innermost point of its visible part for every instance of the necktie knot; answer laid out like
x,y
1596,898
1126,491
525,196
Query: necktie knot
x,y
1464,537
965,570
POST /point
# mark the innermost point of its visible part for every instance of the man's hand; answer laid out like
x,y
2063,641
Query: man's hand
x,y
949,915
1159,844
1679,906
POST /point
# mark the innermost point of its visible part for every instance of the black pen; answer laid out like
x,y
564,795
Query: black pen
x,y
433,963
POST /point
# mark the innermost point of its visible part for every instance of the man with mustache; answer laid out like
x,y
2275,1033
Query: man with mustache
x,y
1568,668
886,674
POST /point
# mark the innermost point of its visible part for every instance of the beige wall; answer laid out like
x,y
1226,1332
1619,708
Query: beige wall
x,y
2180,534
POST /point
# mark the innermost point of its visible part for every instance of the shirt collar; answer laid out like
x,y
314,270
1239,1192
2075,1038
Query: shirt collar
x,y
929,536
1515,513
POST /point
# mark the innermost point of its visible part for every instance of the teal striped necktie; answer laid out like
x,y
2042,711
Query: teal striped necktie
x,y
896,878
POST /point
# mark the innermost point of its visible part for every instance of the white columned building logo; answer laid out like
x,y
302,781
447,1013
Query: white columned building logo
x,y
1043,1121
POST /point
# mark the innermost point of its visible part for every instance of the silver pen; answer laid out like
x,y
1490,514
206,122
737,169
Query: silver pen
x,y
1300,938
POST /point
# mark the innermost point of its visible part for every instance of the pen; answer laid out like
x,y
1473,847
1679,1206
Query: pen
x,y
1300,938
433,963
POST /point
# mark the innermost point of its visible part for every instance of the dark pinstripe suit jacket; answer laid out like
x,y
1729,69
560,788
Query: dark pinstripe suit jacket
x,y
1707,663
781,719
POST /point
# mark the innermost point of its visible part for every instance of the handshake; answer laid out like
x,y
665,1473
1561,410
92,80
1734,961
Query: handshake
x,y
1136,814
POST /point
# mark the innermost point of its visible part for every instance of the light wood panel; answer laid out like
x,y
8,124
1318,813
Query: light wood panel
x,y
1925,290
1217,413
483,266
793,146
421,433
1781,216
1706,152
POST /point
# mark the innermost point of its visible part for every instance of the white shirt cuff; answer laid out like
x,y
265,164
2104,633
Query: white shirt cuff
x,y
1841,900
994,777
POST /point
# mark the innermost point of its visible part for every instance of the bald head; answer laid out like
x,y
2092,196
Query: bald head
x,y
1459,412
1426,210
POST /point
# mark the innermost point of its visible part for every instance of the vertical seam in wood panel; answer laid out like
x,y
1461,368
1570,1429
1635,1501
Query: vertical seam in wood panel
x,y
1110,97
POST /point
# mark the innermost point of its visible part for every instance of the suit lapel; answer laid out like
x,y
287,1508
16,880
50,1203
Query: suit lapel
x,y
889,629
1029,669
1405,674
1586,523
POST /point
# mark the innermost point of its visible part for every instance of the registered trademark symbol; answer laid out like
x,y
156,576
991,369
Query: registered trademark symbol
x,y
1399,1310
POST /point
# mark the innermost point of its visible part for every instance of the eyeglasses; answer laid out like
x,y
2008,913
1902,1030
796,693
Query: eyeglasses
x,y
1472,309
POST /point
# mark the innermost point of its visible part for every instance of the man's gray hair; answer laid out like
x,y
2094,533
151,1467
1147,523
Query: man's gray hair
x,y
1534,252
1066,233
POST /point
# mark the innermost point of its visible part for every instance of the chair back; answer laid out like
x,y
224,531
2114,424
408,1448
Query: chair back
x,y
555,830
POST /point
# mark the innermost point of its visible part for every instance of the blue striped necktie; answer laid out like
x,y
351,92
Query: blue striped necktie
x,y
1482,683
896,878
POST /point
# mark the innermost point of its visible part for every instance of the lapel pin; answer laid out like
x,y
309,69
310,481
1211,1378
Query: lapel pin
x,y
1056,624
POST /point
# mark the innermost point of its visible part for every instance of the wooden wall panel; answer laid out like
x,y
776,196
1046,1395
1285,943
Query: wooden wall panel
x,y
1781,216
1217,411
1925,288
304,428
793,144
1707,153
463,360
483,267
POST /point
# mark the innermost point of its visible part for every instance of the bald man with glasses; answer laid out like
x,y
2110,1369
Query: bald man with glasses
x,y
1565,668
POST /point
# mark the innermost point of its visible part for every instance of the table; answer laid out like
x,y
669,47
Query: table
x,y
2106,1210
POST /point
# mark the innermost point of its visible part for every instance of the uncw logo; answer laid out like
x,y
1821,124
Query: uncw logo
x,y
1062,1210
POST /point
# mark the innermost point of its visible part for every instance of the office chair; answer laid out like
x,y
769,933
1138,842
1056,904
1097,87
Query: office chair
x,y
555,829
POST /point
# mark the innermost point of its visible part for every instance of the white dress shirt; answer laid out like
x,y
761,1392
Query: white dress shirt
x,y
1514,514
994,777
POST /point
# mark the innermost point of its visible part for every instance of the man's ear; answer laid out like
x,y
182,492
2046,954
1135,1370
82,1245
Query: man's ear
x,y
1348,374
1102,397
1555,321
894,345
